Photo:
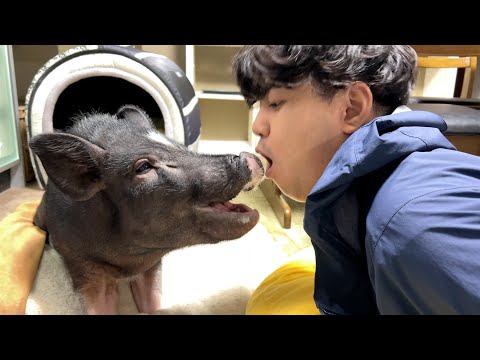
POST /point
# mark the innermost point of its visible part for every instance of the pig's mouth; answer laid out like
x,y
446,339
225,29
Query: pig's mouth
x,y
227,206
224,220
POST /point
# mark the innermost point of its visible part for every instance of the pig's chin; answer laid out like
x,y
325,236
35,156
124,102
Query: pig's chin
x,y
225,220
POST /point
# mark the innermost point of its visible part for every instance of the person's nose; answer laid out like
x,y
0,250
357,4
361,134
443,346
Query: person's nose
x,y
260,126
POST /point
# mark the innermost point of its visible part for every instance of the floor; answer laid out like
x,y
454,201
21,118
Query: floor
x,y
290,240
11,198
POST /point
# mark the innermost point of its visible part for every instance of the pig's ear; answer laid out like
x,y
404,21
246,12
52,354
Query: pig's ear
x,y
134,113
72,163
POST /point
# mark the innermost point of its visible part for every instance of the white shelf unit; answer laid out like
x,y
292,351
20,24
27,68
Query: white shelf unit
x,y
226,120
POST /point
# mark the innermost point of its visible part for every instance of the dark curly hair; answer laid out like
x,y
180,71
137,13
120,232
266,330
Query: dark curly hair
x,y
389,70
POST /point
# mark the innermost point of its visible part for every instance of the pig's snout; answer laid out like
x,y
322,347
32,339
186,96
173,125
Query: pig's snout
x,y
254,164
256,168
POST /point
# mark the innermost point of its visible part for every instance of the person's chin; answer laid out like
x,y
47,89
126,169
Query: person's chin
x,y
270,174
277,182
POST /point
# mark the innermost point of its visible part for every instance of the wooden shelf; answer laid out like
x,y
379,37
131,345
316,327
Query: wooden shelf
x,y
211,67
449,50
218,96
223,146
224,119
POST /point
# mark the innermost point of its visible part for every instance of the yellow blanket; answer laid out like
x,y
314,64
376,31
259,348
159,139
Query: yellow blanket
x,y
21,247
288,290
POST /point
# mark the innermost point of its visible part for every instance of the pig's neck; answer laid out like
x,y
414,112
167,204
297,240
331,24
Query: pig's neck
x,y
131,226
124,245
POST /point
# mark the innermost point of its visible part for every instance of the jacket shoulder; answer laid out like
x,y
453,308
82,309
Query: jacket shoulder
x,y
423,227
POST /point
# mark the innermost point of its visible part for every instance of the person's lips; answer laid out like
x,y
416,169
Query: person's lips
x,y
266,160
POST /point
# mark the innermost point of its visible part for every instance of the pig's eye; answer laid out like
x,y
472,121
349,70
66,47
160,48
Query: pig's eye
x,y
143,167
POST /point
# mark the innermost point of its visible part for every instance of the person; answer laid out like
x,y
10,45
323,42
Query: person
x,y
391,207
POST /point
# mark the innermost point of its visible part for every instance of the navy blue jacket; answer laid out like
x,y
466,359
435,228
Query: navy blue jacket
x,y
395,222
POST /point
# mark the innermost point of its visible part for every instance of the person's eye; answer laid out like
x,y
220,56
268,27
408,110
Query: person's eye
x,y
275,105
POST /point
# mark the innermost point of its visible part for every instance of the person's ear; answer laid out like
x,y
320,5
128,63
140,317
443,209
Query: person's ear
x,y
359,107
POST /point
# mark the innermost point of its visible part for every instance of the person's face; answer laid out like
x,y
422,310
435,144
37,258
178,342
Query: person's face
x,y
299,134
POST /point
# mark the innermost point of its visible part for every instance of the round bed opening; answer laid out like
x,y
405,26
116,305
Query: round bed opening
x,y
103,94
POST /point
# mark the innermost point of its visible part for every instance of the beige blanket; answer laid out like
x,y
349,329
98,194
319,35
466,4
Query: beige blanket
x,y
204,279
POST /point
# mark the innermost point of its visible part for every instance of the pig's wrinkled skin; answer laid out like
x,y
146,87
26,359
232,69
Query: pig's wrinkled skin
x,y
121,195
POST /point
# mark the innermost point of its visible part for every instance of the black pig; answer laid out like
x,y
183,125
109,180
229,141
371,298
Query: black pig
x,y
121,195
